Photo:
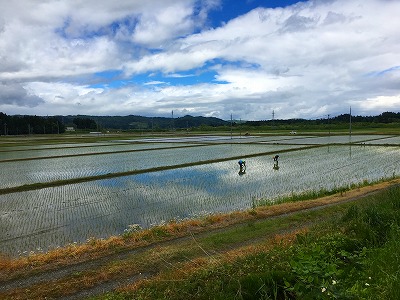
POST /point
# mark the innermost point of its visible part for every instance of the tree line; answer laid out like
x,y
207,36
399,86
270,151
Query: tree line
x,y
384,118
25,124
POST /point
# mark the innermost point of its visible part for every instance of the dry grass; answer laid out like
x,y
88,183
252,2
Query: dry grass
x,y
182,271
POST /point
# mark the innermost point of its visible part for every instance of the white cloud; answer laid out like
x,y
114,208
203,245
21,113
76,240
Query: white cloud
x,y
380,103
163,23
64,38
155,82
306,60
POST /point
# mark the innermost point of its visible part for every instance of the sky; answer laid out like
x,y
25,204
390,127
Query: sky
x,y
252,59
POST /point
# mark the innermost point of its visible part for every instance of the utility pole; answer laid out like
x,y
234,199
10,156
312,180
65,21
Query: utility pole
x,y
273,118
350,135
5,128
231,126
350,122
173,125
240,127
329,126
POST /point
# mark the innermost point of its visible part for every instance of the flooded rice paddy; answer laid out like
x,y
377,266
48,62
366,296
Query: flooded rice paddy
x,y
40,219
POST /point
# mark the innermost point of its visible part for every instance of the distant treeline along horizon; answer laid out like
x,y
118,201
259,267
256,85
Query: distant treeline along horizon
x,y
27,124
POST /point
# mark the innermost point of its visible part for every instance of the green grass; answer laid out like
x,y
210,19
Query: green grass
x,y
315,194
354,256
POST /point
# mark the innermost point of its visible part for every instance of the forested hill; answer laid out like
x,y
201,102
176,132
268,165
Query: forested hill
x,y
25,124
148,123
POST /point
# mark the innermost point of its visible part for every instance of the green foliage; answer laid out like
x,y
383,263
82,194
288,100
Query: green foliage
x,y
84,123
321,266
133,122
337,122
384,267
364,251
16,125
372,224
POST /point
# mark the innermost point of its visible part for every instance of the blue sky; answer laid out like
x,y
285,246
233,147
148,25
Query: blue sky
x,y
229,9
300,59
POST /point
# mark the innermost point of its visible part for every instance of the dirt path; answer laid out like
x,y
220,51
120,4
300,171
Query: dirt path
x,y
68,282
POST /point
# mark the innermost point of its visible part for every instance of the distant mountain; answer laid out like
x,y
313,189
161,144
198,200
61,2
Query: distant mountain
x,y
140,122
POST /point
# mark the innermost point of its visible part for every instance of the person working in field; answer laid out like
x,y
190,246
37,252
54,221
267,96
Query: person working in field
x,y
242,165
276,165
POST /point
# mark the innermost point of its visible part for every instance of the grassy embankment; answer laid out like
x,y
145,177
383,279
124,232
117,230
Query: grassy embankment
x,y
353,254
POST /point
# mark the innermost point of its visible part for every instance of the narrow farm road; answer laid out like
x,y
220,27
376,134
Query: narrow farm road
x,y
80,278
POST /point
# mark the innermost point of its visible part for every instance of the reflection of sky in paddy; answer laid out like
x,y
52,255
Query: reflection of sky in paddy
x,y
76,212
183,139
8,154
32,171
334,139
63,145
218,139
